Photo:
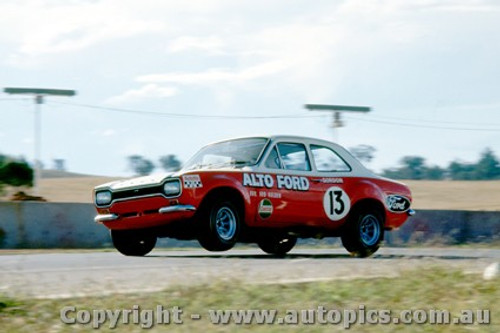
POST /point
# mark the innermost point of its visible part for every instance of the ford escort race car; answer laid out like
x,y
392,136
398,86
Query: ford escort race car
x,y
264,190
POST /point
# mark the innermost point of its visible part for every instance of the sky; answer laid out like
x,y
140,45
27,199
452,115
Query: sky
x,y
158,77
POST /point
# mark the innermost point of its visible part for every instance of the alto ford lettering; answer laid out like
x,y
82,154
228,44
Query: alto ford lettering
x,y
258,180
268,190
283,181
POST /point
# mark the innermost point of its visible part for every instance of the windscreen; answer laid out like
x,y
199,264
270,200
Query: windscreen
x,y
239,152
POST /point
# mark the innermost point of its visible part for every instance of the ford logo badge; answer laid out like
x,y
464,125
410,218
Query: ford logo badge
x,y
397,203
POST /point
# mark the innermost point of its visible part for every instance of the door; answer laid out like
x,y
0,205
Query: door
x,y
294,199
333,177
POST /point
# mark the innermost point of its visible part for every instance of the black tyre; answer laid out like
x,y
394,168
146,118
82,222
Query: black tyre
x,y
219,226
132,242
363,233
278,245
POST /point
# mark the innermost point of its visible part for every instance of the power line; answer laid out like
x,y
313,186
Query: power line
x,y
427,126
185,115
296,116
4,99
434,121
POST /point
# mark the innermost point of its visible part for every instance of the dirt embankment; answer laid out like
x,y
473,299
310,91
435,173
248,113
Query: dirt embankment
x,y
453,195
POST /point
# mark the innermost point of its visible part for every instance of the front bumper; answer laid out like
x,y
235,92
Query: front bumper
x,y
101,218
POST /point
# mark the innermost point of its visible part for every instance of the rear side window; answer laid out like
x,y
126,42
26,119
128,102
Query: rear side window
x,y
294,156
328,160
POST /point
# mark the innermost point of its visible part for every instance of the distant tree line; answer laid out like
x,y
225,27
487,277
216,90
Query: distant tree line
x,y
15,172
415,167
143,166
411,167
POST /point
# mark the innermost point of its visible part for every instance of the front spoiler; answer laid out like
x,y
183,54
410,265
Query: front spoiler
x,y
101,218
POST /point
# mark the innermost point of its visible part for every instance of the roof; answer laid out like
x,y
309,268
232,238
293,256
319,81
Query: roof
x,y
279,137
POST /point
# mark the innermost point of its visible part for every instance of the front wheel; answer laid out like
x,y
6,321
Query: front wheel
x,y
278,245
363,233
220,226
132,242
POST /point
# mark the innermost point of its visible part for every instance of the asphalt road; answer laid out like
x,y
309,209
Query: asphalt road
x,y
58,275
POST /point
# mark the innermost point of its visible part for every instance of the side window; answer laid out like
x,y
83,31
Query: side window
x,y
294,156
273,160
328,160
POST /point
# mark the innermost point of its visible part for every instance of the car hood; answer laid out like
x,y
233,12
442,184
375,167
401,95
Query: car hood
x,y
135,182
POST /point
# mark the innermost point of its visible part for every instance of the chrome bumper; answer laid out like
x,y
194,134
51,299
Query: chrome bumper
x,y
411,212
105,218
164,210
177,208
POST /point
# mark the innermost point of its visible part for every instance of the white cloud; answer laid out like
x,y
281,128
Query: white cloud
x,y
27,141
135,148
212,45
108,132
41,27
219,75
145,92
458,5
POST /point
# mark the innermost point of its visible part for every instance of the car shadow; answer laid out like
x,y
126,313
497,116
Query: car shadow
x,y
263,256
211,255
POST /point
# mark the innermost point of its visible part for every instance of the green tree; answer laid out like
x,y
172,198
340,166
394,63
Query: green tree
x,y
434,173
15,172
140,165
461,171
364,153
488,166
170,163
413,167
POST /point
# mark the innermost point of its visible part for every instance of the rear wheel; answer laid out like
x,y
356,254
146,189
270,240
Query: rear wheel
x,y
278,245
132,242
364,232
220,226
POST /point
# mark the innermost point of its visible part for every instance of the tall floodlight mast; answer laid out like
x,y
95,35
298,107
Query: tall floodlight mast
x,y
39,94
337,110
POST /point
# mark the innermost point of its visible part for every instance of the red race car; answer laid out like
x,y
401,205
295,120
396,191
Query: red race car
x,y
265,190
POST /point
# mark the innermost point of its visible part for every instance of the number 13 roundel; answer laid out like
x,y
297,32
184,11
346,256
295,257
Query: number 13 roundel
x,y
336,203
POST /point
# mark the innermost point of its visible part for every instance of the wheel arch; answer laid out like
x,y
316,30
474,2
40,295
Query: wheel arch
x,y
369,196
227,192
370,204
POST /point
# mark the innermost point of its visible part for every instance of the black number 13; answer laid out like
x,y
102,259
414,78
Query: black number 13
x,y
336,196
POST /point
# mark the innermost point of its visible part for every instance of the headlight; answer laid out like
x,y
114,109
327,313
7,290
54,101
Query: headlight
x,y
172,188
103,198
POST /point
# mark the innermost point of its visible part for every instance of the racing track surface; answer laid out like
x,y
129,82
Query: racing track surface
x,y
55,275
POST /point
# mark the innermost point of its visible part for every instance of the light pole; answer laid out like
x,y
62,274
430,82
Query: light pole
x,y
39,94
337,109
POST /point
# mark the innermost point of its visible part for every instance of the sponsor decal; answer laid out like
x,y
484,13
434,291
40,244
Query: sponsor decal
x,y
332,180
265,194
258,180
192,181
295,183
336,203
397,203
265,208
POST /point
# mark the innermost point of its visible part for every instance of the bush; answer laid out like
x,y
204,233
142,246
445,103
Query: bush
x,y
15,172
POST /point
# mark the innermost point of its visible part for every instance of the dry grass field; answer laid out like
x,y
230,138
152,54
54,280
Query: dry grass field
x,y
71,189
454,195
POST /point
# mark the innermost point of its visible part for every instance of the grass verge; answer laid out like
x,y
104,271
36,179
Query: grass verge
x,y
428,289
